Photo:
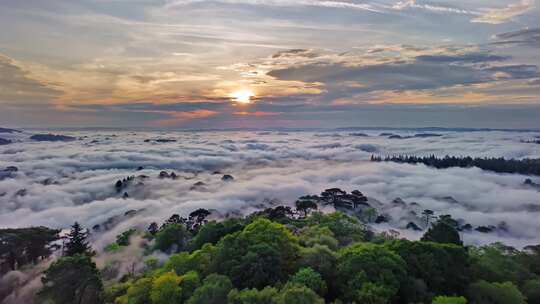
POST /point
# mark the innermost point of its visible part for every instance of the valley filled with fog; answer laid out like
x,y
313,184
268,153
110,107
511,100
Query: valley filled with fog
x,y
58,182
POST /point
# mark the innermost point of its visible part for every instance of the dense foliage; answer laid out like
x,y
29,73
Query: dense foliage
x,y
73,279
77,243
19,247
282,256
499,165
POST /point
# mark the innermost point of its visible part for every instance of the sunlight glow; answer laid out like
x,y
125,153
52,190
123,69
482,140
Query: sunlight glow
x,y
242,96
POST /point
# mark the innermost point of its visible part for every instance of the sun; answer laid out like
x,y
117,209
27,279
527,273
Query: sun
x,y
242,96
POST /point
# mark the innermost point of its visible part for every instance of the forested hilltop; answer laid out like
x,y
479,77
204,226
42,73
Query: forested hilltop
x,y
278,255
495,164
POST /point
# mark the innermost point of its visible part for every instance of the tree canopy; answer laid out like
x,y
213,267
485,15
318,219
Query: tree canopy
x,y
77,242
19,247
72,279
261,254
274,257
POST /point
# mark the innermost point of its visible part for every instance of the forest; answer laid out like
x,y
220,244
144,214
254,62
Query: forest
x,y
278,255
495,164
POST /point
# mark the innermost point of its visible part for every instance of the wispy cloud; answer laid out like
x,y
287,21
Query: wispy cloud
x,y
393,70
285,3
178,118
18,85
482,15
527,37
413,4
505,14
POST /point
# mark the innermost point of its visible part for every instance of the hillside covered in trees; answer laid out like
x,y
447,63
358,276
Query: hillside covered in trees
x,y
499,165
278,255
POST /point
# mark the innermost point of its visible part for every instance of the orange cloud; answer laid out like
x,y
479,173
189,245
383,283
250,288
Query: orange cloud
x,y
257,113
193,114
180,117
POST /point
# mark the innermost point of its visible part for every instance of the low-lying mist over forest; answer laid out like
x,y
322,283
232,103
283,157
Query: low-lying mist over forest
x,y
54,181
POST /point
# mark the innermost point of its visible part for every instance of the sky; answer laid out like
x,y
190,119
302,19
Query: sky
x,y
183,64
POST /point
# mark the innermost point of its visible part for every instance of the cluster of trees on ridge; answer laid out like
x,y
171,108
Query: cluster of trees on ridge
x,y
499,165
283,256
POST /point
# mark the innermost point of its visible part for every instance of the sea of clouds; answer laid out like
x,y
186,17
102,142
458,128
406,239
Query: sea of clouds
x,y
61,182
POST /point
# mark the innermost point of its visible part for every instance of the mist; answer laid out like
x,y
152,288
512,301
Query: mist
x,y
58,183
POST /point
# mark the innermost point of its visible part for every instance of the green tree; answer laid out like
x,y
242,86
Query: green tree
x,y
428,214
151,263
497,263
311,235
199,261
321,259
214,290
305,205
369,215
180,263
114,291
530,258
198,217
77,241
279,214
172,238
252,296
449,300
139,291
166,289
152,229
483,292
297,294
531,290
22,246
442,232
311,279
262,254
190,282
438,268
364,263
212,232
123,238
73,279
324,261
371,293
346,229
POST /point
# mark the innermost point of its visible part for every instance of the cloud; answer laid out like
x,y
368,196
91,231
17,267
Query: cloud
x,y
286,3
256,113
72,181
413,4
180,117
156,53
20,286
463,58
518,71
505,14
350,74
16,85
527,37
534,82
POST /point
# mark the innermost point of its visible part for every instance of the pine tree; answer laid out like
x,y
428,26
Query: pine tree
x,y
77,243
428,214
153,228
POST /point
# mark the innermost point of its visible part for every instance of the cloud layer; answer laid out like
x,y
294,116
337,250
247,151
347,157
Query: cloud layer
x,y
64,182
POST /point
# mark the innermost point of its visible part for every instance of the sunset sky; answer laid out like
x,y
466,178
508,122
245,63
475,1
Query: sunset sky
x,y
269,63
